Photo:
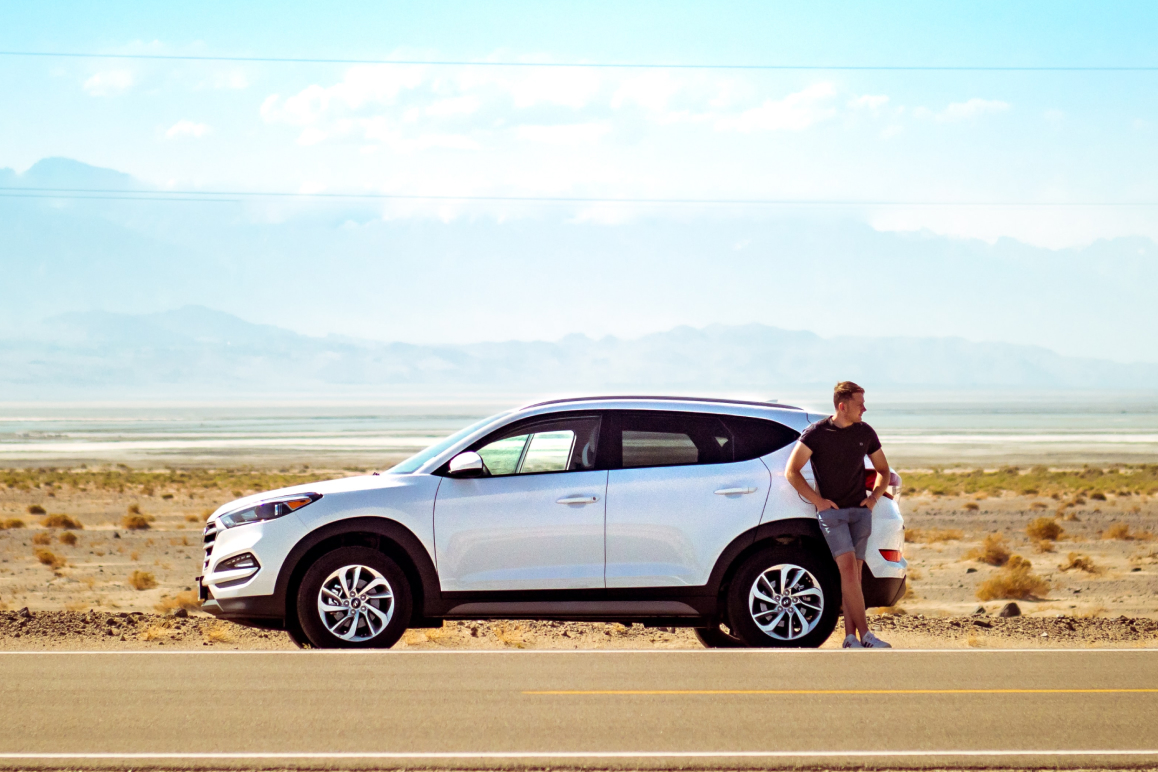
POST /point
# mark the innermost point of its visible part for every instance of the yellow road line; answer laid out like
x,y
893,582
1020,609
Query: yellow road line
x,y
633,692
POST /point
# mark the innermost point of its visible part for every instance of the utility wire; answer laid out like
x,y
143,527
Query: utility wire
x,y
592,65
236,196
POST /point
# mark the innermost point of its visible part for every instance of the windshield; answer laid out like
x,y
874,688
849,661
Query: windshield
x,y
420,458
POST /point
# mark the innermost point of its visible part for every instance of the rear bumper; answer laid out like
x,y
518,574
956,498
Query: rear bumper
x,y
882,592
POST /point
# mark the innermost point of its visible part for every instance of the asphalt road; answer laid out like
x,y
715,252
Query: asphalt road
x,y
605,709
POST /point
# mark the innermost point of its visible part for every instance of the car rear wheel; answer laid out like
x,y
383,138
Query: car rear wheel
x,y
354,598
785,597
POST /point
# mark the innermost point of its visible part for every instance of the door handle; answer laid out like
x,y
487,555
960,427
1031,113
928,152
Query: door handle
x,y
578,500
733,491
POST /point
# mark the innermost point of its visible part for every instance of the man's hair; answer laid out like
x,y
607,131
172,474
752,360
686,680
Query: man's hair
x,y
844,391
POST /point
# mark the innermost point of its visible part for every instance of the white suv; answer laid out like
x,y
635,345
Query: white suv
x,y
659,510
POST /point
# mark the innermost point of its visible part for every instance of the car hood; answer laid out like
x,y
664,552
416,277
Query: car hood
x,y
324,487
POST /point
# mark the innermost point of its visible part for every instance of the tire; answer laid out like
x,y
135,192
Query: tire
x,y
764,616
375,613
716,638
297,635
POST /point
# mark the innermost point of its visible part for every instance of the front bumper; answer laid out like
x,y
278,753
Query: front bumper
x,y
247,610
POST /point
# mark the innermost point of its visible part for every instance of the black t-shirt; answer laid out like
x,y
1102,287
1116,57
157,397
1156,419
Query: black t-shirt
x,y
838,459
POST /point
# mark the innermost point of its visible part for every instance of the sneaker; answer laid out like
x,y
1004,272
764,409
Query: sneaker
x,y
850,642
870,641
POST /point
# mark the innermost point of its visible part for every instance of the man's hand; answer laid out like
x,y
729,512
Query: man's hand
x,y
870,501
824,504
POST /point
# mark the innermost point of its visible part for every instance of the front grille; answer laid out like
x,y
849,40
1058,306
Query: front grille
x,y
209,538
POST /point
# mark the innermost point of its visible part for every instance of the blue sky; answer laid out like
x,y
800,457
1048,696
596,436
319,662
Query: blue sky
x,y
981,137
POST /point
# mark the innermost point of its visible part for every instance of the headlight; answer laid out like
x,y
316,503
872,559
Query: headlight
x,y
268,510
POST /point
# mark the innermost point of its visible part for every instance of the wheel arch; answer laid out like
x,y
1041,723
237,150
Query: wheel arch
x,y
794,530
387,536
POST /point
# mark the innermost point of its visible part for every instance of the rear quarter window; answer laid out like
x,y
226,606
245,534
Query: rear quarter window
x,y
755,437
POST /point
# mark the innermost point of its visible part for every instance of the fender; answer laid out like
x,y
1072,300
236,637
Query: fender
x,y
792,528
412,556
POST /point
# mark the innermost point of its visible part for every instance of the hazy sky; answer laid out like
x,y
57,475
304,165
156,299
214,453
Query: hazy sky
x,y
982,138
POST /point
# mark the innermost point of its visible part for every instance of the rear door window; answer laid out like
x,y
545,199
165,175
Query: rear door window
x,y
650,439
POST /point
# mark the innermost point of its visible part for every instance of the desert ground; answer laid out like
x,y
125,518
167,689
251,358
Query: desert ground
x,y
105,557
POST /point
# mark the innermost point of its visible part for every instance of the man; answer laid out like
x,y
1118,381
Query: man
x,y
837,447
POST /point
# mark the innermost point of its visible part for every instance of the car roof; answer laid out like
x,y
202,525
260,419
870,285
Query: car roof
x,y
639,398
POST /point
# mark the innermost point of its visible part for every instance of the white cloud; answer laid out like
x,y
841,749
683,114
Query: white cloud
x,y
567,134
109,82
794,112
973,108
184,128
463,105
869,102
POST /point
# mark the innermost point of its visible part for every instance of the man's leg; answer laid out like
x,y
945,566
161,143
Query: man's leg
x,y
852,599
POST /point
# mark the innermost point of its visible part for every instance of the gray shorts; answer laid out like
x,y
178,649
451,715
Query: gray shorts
x,y
846,530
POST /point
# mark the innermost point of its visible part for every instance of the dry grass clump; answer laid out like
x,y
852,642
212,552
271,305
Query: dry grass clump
x,y
932,535
10,523
1044,529
1122,532
135,522
62,521
1080,562
1045,545
42,539
142,580
187,600
992,550
1014,582
970,506
1098,496
156,633
510,634
1038,505
35,509
192,518
890,611
219,633
50,558
68,538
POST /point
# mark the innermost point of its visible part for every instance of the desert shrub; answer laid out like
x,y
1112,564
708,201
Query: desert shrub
x,y
1044,545
1014,582
35,509
931,535
68,538
219,633
187,600
1081,500
135,522
134,509
42,539
192,518
10,523
1038,505
970,506
142,580
1080,562
1043,529
992,550
1122,532
62,521
166,496
49,558
1098,496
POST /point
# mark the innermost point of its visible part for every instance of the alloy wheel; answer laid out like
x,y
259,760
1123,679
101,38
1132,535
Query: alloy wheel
x,y
786,602
355,603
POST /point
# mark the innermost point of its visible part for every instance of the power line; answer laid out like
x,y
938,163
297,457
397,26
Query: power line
x,y
580,65
236,196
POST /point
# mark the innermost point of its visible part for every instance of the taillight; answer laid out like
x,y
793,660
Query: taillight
x,y
892,490
893,556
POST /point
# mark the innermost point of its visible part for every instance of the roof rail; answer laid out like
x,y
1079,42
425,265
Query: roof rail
x,y
666,399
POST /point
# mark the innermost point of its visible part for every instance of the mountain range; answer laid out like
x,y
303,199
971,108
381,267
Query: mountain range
x,y
195,352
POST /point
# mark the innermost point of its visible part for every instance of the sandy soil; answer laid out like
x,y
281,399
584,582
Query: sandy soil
x,y
88,585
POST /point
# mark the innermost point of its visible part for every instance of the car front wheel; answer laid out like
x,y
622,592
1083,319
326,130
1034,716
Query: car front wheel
x,y
354,598
784,597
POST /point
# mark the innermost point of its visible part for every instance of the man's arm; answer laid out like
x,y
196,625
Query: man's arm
x,y
800,455
883,474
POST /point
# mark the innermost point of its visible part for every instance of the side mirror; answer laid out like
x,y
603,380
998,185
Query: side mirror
x,y
468,464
